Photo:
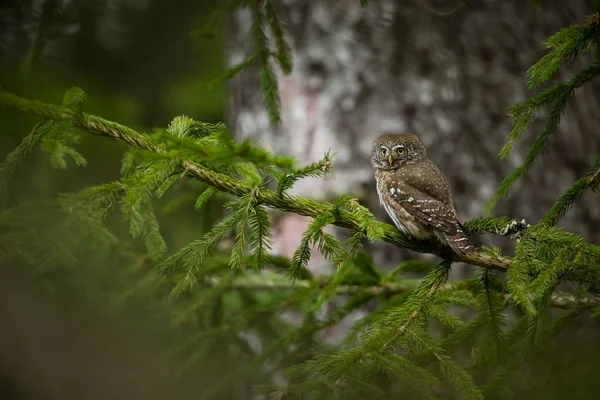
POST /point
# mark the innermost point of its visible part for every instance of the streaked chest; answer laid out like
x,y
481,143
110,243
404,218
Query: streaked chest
x,y
386,182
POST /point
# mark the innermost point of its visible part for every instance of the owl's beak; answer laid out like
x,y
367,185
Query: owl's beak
x,y
390,160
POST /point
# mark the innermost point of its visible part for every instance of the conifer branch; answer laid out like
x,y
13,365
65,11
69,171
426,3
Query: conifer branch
x,y
268,80
15,159
295,204
572,194
283,53
555,99
277,282
298,205
50,9
432,287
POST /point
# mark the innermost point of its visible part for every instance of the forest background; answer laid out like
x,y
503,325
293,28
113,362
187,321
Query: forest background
x,y
106,285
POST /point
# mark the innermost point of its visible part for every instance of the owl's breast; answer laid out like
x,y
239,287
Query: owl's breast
x,y
402,218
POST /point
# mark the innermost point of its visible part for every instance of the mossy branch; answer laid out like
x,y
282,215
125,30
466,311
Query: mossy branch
x,y
298,205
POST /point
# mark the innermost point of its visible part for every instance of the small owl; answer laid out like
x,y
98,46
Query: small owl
x,y
415,193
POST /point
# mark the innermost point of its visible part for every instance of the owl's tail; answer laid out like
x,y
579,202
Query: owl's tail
x,y
459,242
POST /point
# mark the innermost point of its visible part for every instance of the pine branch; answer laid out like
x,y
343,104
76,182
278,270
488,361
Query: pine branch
x,y
261,237
50,9
242,214
398,326
190,258
493,305
225,183
271,281
572,194
316,170
414,309
15,159
524,113
566,45
222,11
294,336
137,203
89,208
518,275
450,369
268,80
283,53
232,71
204,197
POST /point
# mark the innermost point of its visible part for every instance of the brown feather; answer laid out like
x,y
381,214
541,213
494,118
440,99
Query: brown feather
x,y
416,195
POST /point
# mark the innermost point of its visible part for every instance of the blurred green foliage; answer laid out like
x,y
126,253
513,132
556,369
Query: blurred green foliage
x,y
139,60
141,64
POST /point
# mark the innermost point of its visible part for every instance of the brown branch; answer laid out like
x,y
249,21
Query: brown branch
x,y
298,205
271,281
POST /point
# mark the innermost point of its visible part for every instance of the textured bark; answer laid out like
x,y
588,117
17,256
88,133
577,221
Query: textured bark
x,y
400,67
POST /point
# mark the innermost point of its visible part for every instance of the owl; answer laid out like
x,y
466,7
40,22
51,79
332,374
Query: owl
x,y
415,193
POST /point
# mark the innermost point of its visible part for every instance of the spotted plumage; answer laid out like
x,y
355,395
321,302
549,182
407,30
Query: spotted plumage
x,y
415,193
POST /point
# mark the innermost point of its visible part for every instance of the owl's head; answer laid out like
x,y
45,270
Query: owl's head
x,y
392,151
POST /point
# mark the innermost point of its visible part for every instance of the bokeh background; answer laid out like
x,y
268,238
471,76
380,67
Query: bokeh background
x,y
444,72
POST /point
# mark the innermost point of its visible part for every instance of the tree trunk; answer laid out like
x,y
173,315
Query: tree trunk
x,y
404,67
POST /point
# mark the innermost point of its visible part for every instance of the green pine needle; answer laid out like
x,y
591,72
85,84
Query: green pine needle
x,y
73,99
450,370
268,80
243,209
421,382
518,274
189,259
137,203
486,224
57,143
300,258
556,99
283,53
328,245
232,71
204,197
392,325
566,201
316,170
549,276
13,161
222,11
184,126
261,239
488,326
88,211
343,261
565,46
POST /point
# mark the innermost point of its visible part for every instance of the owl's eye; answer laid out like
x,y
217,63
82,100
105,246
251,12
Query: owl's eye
x,y
401,151
383,151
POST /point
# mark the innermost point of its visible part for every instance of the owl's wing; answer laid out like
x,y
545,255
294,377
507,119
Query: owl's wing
x,y
432,213
424,194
